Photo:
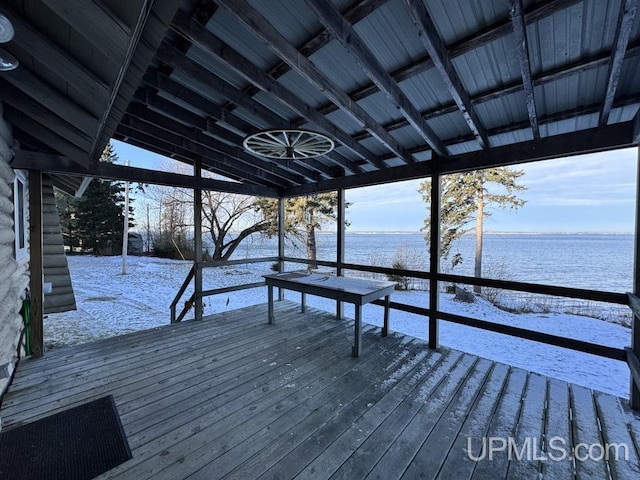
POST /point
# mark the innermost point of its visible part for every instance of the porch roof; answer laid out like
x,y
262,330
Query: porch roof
x,y
405,88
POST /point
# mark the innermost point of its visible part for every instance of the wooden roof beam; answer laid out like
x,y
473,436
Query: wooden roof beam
x,y
343,31
62,165
627,15
210,43
438,53
260,27
584,141
95,22
520,33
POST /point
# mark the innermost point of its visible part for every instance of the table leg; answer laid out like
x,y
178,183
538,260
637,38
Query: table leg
x,y
270,296
356,349
385,328
303,303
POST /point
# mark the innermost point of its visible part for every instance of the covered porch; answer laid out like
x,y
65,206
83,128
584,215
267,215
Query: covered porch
x,y
234,397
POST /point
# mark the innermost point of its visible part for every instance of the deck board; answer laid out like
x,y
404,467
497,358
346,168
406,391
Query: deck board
x,y
232,397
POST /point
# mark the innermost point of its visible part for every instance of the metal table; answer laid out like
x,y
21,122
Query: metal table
x,y
358,291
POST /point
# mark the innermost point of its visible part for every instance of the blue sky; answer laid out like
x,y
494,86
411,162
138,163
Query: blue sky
x,y
587,193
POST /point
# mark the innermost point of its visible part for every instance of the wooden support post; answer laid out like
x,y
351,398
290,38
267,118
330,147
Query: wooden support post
x,y
634,394
340,232
434,259
36,262
197,217
281,224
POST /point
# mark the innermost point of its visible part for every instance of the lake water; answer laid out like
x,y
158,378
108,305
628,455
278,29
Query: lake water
x,y
591,261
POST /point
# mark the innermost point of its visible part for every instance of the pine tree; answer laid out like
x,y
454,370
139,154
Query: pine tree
x,y
466,199
99,213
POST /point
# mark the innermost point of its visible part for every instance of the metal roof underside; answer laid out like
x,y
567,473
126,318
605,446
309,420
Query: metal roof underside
x,y
405,88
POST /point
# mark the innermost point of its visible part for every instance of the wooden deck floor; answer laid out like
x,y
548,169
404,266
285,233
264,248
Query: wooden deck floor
x,y
233,397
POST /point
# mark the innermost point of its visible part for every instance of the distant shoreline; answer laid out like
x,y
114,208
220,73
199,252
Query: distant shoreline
x,y
372,232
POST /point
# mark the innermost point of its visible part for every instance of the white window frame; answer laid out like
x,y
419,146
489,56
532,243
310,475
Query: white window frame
x,y
20,215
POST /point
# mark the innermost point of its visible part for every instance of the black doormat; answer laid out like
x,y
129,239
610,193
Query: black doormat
x,y
76,444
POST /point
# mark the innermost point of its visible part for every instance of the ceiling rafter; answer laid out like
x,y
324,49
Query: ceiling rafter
x,y
544,78
38,113
96,23
162,147
342,30
231,121
194,134
544,120
22,121
520,32
213,45
438,53
354,13
145,131
209,126
96,91
624,27
30,85
258,25
210,80
465,45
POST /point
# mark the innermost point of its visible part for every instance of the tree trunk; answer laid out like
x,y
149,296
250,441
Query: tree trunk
x,y
479,232
311,244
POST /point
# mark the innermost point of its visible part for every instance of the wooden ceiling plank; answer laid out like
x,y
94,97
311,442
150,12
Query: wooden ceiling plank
x,y
95,22
54,122
200,36
259,26
343,31
520,33
438,53
60,164
624,28
57,60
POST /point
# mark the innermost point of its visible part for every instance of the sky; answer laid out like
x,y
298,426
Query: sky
x,y
586,193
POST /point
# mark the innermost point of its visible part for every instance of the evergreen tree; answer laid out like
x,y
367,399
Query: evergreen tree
x,y
99,213
68,211
466,199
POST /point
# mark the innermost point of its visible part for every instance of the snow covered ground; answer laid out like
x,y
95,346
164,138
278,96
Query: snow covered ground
x,y
110,303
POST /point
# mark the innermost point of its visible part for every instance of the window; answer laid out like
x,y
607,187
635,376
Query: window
x,y
20,214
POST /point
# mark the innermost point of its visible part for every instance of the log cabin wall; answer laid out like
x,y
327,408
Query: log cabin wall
x,y
14,263
60,297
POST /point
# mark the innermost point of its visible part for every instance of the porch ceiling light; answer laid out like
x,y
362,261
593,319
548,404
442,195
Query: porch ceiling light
x,y
289,144
7,61
6,29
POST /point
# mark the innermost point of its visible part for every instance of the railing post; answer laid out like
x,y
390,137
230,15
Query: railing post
x,y
634,394
434,258
281,225
340,245
197,217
